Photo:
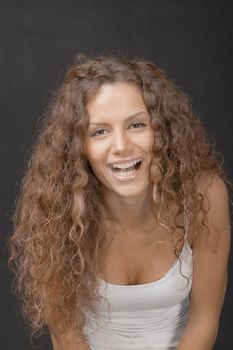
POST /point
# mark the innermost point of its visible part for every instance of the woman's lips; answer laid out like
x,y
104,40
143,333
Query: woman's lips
x,y
123,175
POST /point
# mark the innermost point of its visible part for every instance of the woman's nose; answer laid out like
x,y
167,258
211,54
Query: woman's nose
x,y
121,142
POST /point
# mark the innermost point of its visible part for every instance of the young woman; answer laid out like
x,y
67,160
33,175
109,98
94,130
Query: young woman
x,y
122,229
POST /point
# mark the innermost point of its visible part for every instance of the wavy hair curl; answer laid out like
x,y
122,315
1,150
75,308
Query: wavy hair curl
x,y
57,237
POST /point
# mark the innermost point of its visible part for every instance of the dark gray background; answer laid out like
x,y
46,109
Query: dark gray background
x,y
191,40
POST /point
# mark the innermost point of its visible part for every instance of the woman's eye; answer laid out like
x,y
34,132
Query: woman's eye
x,y
138,125
99,132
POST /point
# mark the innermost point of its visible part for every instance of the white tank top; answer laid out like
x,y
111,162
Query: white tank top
x,y
144,316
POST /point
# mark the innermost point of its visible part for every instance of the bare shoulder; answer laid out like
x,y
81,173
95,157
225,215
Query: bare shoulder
x,y
210,266
213,188
216,202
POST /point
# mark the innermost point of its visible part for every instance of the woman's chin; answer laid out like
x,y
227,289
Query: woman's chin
x,y
133,191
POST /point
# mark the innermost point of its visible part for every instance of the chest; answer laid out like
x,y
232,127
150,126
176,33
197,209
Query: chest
x,y
140,257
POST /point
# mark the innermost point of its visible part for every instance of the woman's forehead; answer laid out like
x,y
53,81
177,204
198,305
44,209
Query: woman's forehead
x,y
114,100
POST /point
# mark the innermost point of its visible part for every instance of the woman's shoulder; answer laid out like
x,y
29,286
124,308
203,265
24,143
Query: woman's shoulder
x,y
212,187
216,204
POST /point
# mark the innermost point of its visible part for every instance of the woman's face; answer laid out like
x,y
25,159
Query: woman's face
x,y
119,139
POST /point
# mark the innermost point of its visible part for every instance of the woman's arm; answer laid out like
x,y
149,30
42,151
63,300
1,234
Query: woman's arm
x,y
209,274
72,339
69,341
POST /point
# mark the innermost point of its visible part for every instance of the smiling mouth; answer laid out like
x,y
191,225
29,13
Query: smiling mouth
x,y
126,172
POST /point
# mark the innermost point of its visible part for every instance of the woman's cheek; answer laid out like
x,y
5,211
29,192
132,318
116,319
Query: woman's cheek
x,y
97,151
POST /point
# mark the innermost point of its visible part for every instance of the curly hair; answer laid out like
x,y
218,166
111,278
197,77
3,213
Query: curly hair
x,y
57,239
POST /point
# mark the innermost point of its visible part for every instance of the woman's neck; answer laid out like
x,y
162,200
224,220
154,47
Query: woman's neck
x,y
128,212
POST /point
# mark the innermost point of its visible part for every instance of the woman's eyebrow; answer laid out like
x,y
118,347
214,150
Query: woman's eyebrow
x,y
136,114
127,119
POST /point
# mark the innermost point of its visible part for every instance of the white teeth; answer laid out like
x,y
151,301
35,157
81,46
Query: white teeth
x,y
126,165
126,173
